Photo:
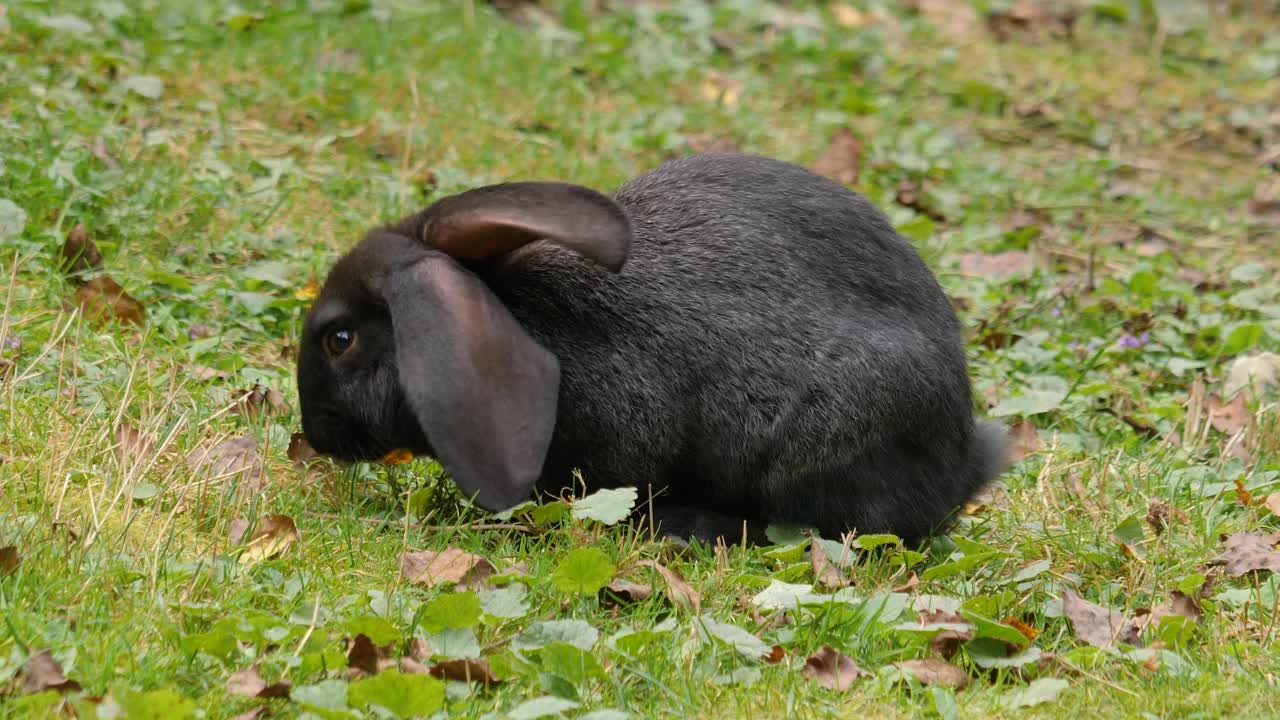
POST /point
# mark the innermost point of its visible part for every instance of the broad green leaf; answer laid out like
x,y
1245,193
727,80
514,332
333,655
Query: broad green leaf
x,y
962,566
870,542
1242,337
734,636
569,662
12,220
541,707
944,703
578,633
781,596
608,506
145,491
988,653
1038,692
507,602
67,24
404,695
148,86
454,643
785,534
373,627
1031,402
162,704
583,572
985,627
450,611
324,695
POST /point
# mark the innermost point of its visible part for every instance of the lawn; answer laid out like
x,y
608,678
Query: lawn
x,y
1097,186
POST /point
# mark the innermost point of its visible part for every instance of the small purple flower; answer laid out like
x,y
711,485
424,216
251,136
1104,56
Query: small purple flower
x,y
12,343
1056,312
1129,342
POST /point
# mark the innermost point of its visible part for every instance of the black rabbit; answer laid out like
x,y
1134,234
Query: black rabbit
x,y
739,338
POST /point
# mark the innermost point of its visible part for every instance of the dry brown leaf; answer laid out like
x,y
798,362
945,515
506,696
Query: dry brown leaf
x,y
411,666
1096,625
932,671
131,441
913,581
451,565
679,592
248,683
1265,201
363,654
9,559
831,669
1159,513
1272,503
1029,632
300,451
79,254
947,642
1247,552
228,458
271,536
999,265
42,673
628,591
825,571
842,159
102,298
1024,440
472,670
1229,418
1034,18
1179,604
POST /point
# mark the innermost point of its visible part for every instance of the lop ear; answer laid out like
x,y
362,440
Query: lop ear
x,y
482,389
494,220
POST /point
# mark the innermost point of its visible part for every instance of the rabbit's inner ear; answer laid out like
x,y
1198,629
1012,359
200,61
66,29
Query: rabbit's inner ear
x,y
482,389
494,220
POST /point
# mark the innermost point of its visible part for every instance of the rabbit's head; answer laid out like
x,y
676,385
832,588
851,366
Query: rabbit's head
x,y
407,348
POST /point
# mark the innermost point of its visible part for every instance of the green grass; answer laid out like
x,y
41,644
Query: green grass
x,y
222,156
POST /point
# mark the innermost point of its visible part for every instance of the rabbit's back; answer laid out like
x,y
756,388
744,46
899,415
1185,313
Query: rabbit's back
x,y
771,345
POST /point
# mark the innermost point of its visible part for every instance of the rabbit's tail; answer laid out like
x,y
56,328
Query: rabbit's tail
x,y
990,451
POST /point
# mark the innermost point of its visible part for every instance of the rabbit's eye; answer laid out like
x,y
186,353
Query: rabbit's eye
x,y
338,342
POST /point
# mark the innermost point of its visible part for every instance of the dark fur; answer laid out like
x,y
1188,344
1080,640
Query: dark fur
x,y
770,351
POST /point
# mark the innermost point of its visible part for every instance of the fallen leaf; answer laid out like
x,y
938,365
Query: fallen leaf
x,y
363,654
1272,503
258,400
300,451
9,559
237,529
1247,552
831,669
913,581
842,159
999,265
678,591
101,298
1096,625
452,565
231,457
1159,513
932,671
1034,18
248,683
465,670
131,441
79,254
947,642
1024,440
1179,604
271,536
776,654
1265,201
1254,373
42,673
1229,418
825,571
628,591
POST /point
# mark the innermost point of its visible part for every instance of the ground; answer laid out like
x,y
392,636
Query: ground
x,y
1096,186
